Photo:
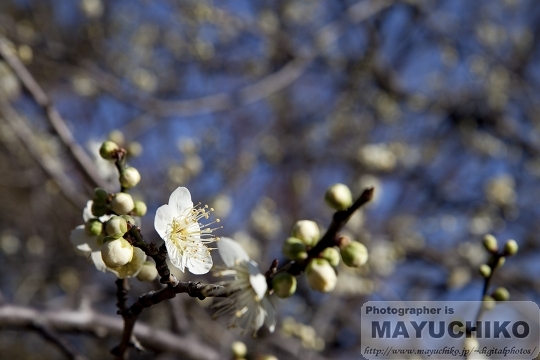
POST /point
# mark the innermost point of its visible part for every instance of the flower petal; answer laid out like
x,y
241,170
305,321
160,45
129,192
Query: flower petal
x,y
162,220
256,279
83,242
201,263
180,201
87,212
175,255
98,261
231,252
270,321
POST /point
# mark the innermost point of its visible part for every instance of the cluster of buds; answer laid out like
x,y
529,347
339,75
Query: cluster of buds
x,y
320,269
496,259
108,217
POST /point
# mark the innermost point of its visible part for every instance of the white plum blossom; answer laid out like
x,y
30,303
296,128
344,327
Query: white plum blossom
x,y
246,298
178,225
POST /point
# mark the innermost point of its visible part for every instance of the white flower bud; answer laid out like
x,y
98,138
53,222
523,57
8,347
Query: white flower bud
x,y
148,272
239,349
284,285
116,227
355,254
294,249
332,255
321,275
140,208
116,253
338,197
130,177
108,150
307,231
122,203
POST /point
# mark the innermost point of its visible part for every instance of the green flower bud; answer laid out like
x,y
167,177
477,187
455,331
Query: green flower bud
x,y
284,285
488,303
99,209
500,294
320,275
355,254
490,243
122,203
108,150
116,227
134,149
128,219
130,177
93,227
239,349
140,208
510,248
484,270
100,196
338,197
332,255
501,261
116,253
307,231
148,272
294,249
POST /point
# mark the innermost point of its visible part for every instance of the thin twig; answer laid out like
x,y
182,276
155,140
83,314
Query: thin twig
x,y
81,158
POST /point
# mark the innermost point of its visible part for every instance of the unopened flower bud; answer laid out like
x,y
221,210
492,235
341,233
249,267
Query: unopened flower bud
x,y
239,349
130,177
307,231
500,294
294,249
501,261
116,227
355,254
140,208
332,255
488,303
99,209
148,272
510,248
108,150
484,270
134,149
116,252
490,243
100,196
338,197
122,203
320,275
284,285
117,136
93,227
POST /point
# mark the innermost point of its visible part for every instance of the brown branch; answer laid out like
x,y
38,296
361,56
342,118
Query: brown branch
x,y
81,158
87,321
49,334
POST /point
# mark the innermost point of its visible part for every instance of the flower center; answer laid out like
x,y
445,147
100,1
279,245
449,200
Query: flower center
x,y
185,231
